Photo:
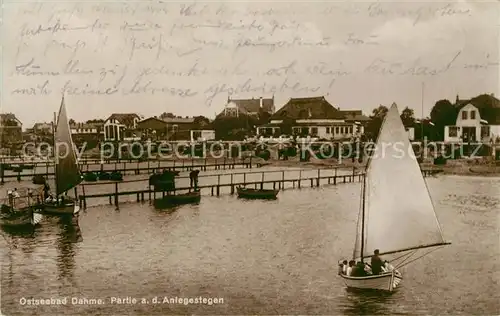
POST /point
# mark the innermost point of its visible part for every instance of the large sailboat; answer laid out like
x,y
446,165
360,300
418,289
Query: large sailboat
x,y
397,216
67,172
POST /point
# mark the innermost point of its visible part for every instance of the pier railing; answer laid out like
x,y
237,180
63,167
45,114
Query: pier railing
x,y
46,168
217,184
214,184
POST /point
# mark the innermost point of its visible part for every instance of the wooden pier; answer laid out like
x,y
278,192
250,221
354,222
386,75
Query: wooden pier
x,y
279,179
133,166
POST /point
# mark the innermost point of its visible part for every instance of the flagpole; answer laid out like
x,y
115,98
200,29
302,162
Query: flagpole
x,y
422,120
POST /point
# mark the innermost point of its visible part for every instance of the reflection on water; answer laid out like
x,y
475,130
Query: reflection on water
x,y
367,302
69,234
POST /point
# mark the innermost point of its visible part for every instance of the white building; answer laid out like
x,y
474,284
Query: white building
x,y
411,133
202,135
316,118
471,127
121,126
85,129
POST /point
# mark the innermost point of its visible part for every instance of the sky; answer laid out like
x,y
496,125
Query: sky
x,y
188,58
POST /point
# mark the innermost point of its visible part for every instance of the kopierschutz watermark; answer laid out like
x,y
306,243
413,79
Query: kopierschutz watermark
x,y
236,149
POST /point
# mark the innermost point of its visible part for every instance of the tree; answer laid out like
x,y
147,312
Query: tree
x,y
95,121
165,115
201,121
443,113
72,122
380,112
263,117
408,116
233,128
373,127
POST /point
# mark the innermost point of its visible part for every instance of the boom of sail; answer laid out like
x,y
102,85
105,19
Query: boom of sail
x,y
66,169
397,213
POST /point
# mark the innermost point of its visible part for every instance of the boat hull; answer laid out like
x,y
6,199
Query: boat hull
x,y
21,222
70,208
178,199
255,194
383,282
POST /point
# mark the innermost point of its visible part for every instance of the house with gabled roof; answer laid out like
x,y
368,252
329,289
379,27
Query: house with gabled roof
x,y
11,129
478,121
252,107
121,126
167,128
313,117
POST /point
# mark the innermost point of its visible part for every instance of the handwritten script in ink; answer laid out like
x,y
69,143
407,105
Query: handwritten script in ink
x,y
208,51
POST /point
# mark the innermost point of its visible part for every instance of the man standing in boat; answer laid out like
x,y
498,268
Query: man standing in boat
x,y
193,177
376,263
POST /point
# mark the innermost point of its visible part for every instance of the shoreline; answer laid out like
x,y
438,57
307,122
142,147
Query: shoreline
x,y
462,169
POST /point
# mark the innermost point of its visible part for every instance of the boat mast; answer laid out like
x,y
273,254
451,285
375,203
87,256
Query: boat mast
x,y
55,158
363,217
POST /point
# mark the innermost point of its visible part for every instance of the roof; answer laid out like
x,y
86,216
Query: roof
x,y
177,120
126,119
308,108
8,116
487,104
253,105
354,115
38,125
168,120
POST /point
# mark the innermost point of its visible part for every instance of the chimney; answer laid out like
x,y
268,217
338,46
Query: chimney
x,y
457,99
261,102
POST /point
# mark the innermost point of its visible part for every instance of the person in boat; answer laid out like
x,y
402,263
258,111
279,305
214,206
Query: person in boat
x,y
376,263
11,198
350,267
15,196
387,266
341,268
46,191
344,267
359,270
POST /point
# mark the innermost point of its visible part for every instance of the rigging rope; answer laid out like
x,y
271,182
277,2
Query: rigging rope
x,y
409,255
425,254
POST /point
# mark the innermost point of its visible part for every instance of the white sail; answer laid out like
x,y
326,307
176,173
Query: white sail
x,y
398,213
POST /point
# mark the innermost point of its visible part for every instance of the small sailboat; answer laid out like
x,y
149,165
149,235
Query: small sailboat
x,y
67,172
20,219
397,216
18,213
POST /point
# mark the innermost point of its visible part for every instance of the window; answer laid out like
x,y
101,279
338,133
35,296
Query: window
x,y
453,130
175,128
314,130
328,130
337,130
472,115
464,115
